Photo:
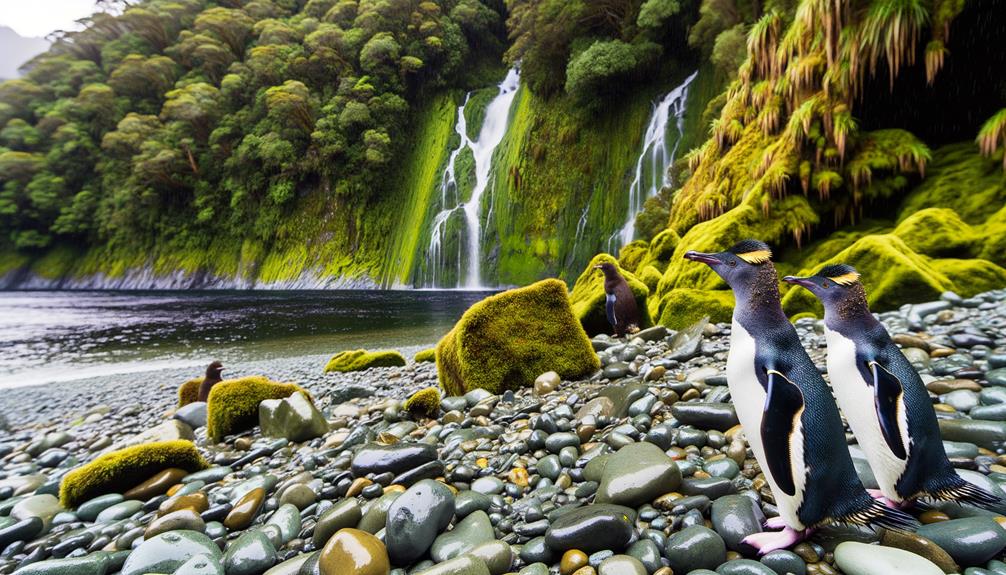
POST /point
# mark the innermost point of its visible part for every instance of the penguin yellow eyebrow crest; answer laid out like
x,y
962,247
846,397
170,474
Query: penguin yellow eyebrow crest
x,y
846,279
756,257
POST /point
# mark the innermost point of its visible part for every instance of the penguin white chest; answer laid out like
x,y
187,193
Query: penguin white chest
x,y
749,402
856,398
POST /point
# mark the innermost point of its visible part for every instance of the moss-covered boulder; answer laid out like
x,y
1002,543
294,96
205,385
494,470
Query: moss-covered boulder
x,y
233,403
993,245
359,360
971,276
188,392
650,276
425,402
683,307
425,356
632,256
662,247
506,340
119,471
937,232
588,299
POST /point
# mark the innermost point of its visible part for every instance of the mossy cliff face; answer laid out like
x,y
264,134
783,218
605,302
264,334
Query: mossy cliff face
x,y
588,298
507,340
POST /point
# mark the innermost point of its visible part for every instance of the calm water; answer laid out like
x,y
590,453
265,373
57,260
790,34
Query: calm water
x,y
50,336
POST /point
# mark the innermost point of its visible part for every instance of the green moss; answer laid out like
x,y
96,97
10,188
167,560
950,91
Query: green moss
x,y
359,360
803,315
971,276
425,402
507,340
937,232
630,257
425,356
993,243
188,392
650,276
11,261
961,179
662,246
892,273
121,470
683,307
233,403
588,298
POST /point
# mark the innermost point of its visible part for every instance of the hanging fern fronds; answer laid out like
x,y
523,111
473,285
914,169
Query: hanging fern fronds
x,y
935,54
992,136
891,28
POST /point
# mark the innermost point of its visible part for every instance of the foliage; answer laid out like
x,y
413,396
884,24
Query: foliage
x,y
606,67
119,471
233,403
360,360
507,340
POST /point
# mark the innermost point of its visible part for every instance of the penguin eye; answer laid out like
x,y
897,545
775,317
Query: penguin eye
x,y
732,263
825,285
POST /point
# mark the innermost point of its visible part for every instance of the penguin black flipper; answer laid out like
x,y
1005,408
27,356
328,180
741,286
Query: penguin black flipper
x,y
888,395
783,407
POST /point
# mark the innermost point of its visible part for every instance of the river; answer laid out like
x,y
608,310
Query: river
x,y
50,336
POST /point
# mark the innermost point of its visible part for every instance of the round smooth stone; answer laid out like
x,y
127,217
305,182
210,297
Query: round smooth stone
x,y
735,517
416,518
469,532
245,510
785,561
299,495
354,551
89,510
346,513
497,556
119,511
201,565
250,554
621,565
572,560
744,567
287,520
694,548
970,541
637,473
592,528
464,565
182,519
156,485
862,559
168,551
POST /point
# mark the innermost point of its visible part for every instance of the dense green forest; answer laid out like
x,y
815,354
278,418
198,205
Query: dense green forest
x,y
272,139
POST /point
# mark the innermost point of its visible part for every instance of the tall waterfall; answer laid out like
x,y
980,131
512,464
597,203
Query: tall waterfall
x,y
493,129
654,159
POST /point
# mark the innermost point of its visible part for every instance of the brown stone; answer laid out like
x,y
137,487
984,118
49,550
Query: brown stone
x,y
245,509
156,485
933,516
182,519
356,487
585,570
571,561
920,546
354,551
195,501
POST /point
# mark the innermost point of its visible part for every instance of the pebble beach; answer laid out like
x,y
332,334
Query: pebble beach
x,y
640,469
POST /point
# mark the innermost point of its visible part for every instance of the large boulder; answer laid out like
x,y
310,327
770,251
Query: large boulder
x,y
588,298
506,340
683,307
294,418
937,232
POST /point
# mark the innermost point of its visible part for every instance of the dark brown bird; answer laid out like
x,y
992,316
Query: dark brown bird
x,y
619,301
212,378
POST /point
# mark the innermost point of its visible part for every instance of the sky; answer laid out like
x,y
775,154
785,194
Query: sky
x,y
40,17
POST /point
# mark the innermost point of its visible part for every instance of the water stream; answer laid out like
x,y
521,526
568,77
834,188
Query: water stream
x,y
655,158
494,127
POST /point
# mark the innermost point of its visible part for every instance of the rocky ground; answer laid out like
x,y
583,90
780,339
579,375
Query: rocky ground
x,y
639,470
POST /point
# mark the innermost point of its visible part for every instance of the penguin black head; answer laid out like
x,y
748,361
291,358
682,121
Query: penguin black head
x,y
837,286
214,370
608,268
741,266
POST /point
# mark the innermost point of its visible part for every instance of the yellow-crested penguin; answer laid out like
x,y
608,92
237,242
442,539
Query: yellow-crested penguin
x,y
619,301
883,398
786,409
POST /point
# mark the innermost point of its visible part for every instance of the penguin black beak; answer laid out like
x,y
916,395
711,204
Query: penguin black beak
x,y
705,258
805,282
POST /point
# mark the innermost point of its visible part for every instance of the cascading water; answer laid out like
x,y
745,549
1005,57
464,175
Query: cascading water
x,y
654,157
493,129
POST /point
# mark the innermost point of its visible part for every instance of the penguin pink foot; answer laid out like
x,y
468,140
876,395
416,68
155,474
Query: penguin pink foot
x,y
891,504
768,541
775,523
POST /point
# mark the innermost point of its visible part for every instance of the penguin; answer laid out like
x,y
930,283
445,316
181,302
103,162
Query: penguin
x,y
883,398
212,378
619,301
787,411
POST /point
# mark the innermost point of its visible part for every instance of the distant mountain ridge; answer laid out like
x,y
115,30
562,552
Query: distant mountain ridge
x,y
15,50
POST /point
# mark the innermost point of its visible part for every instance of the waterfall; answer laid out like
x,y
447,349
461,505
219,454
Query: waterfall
x,y
493,129
654,159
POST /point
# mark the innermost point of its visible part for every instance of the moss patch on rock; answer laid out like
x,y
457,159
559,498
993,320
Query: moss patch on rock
x,y
506,340
233,403
188,392
425,356
425,402
359,360
662,246
119,471
588,299
650,276
632,256
937,232
683,307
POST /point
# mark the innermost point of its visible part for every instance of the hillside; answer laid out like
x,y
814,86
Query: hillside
x,y
15,50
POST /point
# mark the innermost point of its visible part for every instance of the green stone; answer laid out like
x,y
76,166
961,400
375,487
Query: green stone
x,y
250,554
168,551
638,473
863,559
469,532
